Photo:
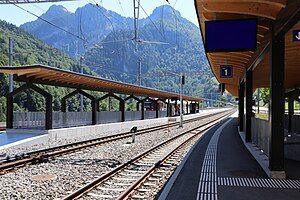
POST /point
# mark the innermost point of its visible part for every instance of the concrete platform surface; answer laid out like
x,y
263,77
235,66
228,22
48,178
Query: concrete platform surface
x,y
15,138
220,167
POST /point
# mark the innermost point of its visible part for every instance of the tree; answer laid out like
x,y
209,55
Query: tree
x,y
265,95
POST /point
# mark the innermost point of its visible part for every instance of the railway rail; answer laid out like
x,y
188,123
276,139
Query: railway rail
x,y
34,157
143,174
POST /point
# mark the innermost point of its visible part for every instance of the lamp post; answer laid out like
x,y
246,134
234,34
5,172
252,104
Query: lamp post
x,y
182,82
10,63
81,71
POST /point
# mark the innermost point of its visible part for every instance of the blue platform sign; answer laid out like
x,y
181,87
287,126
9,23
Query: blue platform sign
x,y
230,35
296,35
226,71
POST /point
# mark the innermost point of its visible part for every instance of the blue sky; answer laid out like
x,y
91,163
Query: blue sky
x,y
16,16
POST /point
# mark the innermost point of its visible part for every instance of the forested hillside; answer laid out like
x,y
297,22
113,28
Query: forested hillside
x,y
179,49
29,50
111,52
169,43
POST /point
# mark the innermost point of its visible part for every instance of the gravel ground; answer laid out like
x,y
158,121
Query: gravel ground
x,y
46,143
53,179
53,143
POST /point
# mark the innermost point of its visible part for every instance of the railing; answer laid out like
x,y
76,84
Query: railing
x,y
36,120
104,117
133,115
149,114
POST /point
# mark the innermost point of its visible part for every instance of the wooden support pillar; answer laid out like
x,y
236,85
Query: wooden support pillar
x,y
122,109
46,95
95,107
249,103
241,105
143,110
9,111
138,106
277,58
63,105
156,109
291,112
187,107
49,112
175,107
168,108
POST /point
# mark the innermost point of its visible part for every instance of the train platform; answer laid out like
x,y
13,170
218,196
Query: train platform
x,y
9,139
219,166
26,137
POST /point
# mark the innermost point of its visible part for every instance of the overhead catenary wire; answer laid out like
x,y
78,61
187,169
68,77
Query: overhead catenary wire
x,y
120,4
176,20
148,17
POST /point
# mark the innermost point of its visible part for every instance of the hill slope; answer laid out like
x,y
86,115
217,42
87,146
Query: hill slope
x,y
29,50
112,58
183,53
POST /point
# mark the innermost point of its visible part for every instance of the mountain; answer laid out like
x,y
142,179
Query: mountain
x,y
91,23
172,44
111,52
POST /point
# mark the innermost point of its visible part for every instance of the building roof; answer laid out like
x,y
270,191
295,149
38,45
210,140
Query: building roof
x,y
267,12
46,75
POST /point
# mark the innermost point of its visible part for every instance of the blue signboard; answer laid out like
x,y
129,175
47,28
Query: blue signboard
x,y
230,35
226,71
296,35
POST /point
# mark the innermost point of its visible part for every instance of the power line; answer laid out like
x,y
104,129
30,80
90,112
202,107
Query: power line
x,y
44,20
153,22
128,27
176,20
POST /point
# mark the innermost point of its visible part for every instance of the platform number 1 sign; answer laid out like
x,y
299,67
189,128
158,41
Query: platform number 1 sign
x,y
296,35
226,71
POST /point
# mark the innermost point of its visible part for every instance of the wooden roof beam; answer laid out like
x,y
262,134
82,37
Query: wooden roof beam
x,y
279,3
229,56
248,8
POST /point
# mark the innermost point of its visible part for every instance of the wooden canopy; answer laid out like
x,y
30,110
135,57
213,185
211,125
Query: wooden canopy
x,y
45,75
269,13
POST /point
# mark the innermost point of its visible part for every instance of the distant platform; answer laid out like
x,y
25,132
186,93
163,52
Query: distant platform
x,y
9,138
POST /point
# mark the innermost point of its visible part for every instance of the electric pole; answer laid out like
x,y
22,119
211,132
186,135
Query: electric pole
x,y
136,5
140,72
81,71
10,63
182,82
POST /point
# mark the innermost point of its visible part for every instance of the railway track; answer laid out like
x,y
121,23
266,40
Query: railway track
x,y
142,176
34,157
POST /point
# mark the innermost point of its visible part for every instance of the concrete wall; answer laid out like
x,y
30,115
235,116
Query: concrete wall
x,y
295,123
261,134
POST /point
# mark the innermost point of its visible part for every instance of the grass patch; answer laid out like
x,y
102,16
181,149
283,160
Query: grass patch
x,y
263,116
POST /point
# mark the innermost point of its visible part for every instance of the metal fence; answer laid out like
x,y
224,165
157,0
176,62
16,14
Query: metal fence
x,y
36,120
149,114
133,115
104,117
